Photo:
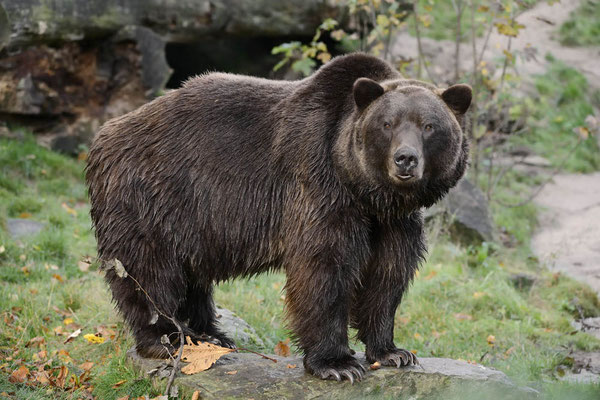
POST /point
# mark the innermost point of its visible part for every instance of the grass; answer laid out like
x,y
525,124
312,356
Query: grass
x,y
464,303
583,26
564,99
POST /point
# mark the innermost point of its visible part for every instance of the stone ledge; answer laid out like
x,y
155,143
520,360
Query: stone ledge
x,y
257,378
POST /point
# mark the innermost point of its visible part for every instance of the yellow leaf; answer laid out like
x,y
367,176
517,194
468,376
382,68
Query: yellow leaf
x,y
324,57
376,365
201,356
231,372
431,275
583,132
478,295
25,215
484,72
491,339
2,249
69,210
93,338
418,336
68,321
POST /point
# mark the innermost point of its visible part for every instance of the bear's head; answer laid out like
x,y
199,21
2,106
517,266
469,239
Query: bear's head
x,y
407,137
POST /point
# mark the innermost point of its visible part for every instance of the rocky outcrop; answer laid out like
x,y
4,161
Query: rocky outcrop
x,y
41,21
68,66
244,376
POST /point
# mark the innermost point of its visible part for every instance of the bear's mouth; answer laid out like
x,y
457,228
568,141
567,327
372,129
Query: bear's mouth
x,y
405,178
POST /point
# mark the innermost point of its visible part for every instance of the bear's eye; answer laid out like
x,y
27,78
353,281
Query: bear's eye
x,y
428,128
387,125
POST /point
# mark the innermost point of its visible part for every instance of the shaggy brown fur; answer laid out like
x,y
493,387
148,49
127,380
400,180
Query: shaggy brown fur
x,y
233,176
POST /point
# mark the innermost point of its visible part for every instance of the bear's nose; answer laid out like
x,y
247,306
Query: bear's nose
x,y
406,159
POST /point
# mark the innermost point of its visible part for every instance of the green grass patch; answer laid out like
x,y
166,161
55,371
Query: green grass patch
x,y
583,26
563,102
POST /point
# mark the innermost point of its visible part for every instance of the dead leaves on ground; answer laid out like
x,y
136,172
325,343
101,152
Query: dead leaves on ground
x,y
201,356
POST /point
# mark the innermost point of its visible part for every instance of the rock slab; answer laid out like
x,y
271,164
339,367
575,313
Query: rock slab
x,y
18,227
244,376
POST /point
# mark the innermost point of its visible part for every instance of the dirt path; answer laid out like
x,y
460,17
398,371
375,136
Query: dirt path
x,y
568,238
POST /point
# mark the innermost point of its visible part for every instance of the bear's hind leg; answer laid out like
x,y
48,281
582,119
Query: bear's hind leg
x,y
199,309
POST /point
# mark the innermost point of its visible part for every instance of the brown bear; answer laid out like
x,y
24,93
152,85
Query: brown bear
x,y
325,177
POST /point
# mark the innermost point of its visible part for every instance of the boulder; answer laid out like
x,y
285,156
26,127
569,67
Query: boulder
x,y
244,376
238,329
468,212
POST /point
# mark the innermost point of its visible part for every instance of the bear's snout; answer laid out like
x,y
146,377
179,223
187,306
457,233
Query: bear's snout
x,y
406,160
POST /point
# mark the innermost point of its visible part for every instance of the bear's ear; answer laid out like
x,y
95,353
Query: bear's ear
x,y
365,91
458,98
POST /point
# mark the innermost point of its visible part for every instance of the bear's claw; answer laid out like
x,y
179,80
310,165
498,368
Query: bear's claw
x,y
350,370
398,358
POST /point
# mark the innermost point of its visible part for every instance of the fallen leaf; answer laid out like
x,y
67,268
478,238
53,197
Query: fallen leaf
x,y
36,341
291,366
283,348
25,215
106,332
19,375
62,377
59,330
201,356
462,317
231,372
83,266
376,365
68,321
478,295
93,338
431,275
69,210
86,366
116,385
491,339
42,378
414,351
126,397
196,395
2,249
73,336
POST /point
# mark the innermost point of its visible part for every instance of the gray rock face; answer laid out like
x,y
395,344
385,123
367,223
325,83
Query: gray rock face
x,y
238,329
468,211
40,21
18,227
256,377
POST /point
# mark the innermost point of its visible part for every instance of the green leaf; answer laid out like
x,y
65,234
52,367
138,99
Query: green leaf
x,y
305,66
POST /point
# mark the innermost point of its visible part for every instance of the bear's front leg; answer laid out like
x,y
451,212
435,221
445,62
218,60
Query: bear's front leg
x,y
321,276
397,251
